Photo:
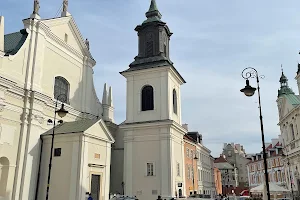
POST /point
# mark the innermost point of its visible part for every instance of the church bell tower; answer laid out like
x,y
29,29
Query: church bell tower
x,y
153,135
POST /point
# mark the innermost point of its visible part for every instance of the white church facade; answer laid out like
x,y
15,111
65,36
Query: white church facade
x,y
35,66
150,140
46,81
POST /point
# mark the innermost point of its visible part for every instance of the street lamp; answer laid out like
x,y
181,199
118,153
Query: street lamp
x,y
61,112
249,91
194,158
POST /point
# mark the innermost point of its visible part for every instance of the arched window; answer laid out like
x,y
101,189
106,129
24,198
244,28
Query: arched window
x,y
174,101
4,170
147,98
61,89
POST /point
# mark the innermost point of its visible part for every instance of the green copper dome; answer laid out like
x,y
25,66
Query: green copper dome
x,y
283,78
153,14
284,88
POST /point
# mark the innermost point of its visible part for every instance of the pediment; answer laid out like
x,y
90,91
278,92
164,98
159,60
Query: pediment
x,y
66,29
100,131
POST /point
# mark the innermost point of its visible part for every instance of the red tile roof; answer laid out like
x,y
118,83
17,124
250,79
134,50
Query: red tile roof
x,y
221,159
269,147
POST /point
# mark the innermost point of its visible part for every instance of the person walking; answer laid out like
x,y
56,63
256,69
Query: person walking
x,y
90,197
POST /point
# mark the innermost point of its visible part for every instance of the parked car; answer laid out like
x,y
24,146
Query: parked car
x,y
122,197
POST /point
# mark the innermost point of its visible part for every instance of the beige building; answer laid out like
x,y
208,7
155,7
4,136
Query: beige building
x,y
47,59
276,169
288,109
235,154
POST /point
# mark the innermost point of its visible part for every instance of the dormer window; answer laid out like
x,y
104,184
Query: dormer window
x,y
61,89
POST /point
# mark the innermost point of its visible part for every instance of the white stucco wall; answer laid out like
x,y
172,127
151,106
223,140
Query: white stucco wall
x,y
163,81
26,95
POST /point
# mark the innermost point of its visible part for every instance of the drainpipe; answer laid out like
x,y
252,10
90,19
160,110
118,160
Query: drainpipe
x,y
39,172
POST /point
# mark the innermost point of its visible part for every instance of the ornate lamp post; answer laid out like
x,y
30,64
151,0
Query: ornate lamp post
x,y
249,91
194,158
61,112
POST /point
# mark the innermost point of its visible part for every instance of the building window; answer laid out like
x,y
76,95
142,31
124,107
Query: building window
x,y
150,169
165,49
147,98
187,152
188,171
178,169
57,152
61,89
292,131
66,38
229,153
174,101
192,153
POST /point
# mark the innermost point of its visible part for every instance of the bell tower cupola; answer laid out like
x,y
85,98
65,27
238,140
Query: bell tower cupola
x,y
284,87
154,37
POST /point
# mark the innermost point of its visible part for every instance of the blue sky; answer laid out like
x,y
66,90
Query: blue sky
x,y
213,42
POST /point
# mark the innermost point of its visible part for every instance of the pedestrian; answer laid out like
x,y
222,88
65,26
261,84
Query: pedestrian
x,y
90,197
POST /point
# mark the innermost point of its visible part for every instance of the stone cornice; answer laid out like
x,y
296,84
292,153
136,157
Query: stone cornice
x,y
11,89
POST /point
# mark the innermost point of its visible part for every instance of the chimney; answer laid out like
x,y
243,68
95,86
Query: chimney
x,y
1,33
185,126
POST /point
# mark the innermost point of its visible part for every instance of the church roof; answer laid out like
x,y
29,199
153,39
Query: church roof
x,y
292,99
284,88
72,127
14,41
